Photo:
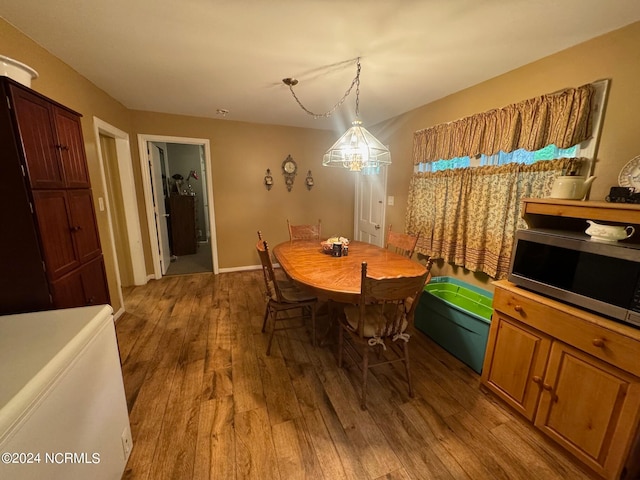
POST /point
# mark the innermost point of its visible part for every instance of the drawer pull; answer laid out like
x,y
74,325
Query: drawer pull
x,y
518,308
547,387
598,342
537,379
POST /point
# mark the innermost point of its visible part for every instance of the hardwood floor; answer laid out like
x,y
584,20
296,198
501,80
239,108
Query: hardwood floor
x,y
205,401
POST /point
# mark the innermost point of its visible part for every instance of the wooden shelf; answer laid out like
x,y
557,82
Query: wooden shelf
x,y
573,214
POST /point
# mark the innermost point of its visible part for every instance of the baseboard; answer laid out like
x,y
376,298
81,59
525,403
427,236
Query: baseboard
x,y
118,314
240,269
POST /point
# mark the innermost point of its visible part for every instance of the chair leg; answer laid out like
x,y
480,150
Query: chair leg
x,y
340,346
365,370
266,315
273,316
313,325
408,367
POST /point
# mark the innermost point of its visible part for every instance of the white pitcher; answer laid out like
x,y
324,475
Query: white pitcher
x,y
570,187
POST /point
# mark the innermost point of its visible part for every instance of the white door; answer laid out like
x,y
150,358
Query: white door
x,y
156,162
370,207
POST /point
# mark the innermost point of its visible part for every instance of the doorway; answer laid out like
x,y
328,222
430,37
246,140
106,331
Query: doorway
x,y
369,221
179,199
116,172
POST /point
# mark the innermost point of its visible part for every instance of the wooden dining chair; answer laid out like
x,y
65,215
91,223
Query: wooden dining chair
x,y
379,322
283,280
283,297
304,232
402,243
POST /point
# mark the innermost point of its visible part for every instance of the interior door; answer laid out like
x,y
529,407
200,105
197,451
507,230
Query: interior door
x,y
156,161
370,207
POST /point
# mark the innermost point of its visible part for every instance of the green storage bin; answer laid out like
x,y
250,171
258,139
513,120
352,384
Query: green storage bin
x,y
457,316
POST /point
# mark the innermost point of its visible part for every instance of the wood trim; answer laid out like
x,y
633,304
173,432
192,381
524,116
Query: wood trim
x,y
591,210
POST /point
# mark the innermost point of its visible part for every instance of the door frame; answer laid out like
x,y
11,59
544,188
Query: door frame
x,y
143,139
128,189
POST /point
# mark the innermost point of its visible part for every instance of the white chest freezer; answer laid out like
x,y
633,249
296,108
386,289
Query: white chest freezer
x,y
63,412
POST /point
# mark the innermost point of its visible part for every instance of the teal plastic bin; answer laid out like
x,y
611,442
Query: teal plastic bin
x,y
457,316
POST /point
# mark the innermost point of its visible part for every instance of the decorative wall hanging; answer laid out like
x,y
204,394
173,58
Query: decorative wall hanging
x,y
289,170
268,180
309,180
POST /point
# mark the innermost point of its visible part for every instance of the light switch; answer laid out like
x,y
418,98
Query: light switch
x,y
101,204
390,200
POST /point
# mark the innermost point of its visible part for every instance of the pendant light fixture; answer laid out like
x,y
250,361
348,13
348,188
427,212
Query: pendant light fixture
x,y
357,149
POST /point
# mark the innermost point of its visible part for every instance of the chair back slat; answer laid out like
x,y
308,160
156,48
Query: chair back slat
x,y
393,299
304,232
402,243
271,284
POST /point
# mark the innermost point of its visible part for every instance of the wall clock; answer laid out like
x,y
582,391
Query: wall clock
x,y
289,170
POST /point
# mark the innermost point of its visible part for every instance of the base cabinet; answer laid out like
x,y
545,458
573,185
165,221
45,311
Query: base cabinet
x,y
586,405
571,376
514,347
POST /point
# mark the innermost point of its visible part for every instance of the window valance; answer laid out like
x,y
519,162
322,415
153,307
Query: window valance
x,y
562,119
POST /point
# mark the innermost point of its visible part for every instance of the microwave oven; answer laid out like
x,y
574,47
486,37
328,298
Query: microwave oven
x,y
570,267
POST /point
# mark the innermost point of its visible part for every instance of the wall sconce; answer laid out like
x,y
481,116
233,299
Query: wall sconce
x,y
309,180
268,180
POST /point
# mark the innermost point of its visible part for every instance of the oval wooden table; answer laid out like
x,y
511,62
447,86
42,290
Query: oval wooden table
x,y
338,278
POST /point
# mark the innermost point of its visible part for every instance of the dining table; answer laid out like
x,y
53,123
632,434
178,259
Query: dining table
x,y
338,278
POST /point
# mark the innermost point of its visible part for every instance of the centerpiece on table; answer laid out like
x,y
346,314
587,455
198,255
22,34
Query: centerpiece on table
x,y
336,246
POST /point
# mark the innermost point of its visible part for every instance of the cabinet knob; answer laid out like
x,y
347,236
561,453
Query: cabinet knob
x,y
537,379
76,228
517,308
62,147
549,388
598,342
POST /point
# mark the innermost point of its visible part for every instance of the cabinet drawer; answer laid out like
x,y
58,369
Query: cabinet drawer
x,y
571,326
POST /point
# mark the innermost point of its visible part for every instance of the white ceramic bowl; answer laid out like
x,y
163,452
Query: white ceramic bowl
x,y
17,71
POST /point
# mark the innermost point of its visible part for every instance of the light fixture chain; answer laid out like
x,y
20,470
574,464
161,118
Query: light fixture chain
x,y
356,81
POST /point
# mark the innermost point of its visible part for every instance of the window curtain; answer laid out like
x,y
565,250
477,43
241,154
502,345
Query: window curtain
x,y
562,119
468,217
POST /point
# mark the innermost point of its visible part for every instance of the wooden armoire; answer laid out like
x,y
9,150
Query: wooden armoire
x,y
50,252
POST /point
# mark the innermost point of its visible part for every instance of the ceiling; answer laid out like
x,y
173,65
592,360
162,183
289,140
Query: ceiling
x,y
193,57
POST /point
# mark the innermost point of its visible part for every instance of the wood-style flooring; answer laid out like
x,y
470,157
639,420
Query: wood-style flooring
x,y
206,402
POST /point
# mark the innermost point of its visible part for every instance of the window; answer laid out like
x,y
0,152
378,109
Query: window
x,y
550,152
468,216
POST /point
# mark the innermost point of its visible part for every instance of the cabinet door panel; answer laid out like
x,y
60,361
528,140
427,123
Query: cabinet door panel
x,y
74,162
516,359
54,222
86,285
94,283
68,292
38,140
83,224
588,406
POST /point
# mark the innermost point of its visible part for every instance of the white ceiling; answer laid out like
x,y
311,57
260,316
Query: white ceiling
x,y
193,57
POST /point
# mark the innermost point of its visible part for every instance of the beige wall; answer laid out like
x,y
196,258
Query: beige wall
x,y
614,56
241,152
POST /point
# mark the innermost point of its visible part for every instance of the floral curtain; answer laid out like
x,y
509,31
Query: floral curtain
x,y
562,119
469,216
